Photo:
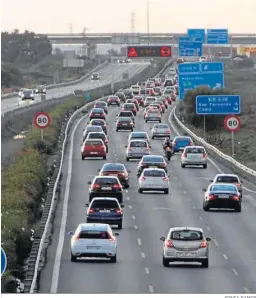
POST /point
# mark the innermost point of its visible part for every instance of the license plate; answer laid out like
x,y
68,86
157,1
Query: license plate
x,y
93,247
94,152
104,211
223,196
125,124
186,254
106,188
154,167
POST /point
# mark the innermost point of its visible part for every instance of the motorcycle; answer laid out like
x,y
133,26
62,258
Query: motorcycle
x,y
168,153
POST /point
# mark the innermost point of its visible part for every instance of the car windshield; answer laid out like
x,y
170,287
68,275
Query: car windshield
x,y
108,204
105,180
138,144
186,235
138,136
113,167
93,143
93,235
218,188
153,159
153,173
195,150
227,179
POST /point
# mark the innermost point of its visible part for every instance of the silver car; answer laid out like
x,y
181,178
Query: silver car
x,y
229,179
161,130
149,100
186,244
136,149
153,115
154,180
93,241
194,156
139,135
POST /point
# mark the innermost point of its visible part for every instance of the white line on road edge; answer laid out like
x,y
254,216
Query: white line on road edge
x,y
215,242
151,289
225,257
139,241
133,217
143,255
57,261
235,272
146,270
135,227
247,291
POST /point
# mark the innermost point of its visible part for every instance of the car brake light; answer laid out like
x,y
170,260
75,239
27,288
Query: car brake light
x,y
169,243
204,155
95,186
118,123
174,143
143,163
191,144
211,197
111,239
167,131
91,211
238,184
129,148
204,244
142,178
76,238
162,164
166,179
236,198
122,174
118,211
184,154
116,186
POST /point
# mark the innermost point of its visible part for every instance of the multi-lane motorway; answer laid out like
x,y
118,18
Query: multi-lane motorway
x,y
105,78
147,217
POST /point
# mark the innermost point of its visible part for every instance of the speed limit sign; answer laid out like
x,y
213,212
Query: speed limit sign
x,y
232,123
42,120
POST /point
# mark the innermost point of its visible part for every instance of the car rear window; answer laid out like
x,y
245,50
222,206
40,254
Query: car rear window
x,y
113,97
182,140
113,168
153,159
157,89
97,136
106,180
125,119
161,126
93,143
219,188
150,99
154,173
108,204
97,122
186,235
138,144
227,179
195,150
94,235
97,110
138,136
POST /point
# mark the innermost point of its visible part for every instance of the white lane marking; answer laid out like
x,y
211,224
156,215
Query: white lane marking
x,y
128,199
135,227
139,241
130,207
210,160
126,190
133,217
143,255
184,192
163,208
235,272
247,291
57,261
204,178
194,208
147,271
215,242
151,289
208,228
200,217
225,256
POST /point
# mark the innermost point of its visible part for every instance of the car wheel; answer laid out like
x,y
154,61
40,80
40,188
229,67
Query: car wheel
x,y
153,137
127,158
182,165
113,259
104,157
132,129
127,185
140,190
116,129
206,207
82,157
205,263
107,150
73,258
205,166
166,191
146,121
238,208
160,121
120,225
165,262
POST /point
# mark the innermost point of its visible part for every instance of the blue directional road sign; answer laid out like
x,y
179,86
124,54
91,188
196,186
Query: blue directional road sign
x,y
3,261
218,104
193,75
88,97
190,48
187,38
217,36
197,33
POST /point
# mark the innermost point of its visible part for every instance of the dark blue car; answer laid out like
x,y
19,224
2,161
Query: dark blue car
x,y
180,142
105,210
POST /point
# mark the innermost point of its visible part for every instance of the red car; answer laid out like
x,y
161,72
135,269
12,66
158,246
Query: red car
x,y
93,148
150,91
130,107
168,98
134,101
140,100
113,100
97,113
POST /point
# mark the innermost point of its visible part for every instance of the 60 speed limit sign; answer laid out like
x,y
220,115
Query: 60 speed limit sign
x,y
232,123
42,120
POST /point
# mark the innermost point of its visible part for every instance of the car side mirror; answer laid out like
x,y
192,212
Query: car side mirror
x,y
208,239
150,146
98,170
71,233
211,180
162,238
169,176
122,205
89,182
241,181
86,205
116,234
204,190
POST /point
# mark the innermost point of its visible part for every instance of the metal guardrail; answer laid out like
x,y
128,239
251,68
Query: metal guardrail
x,y
227,160
39,238
52,86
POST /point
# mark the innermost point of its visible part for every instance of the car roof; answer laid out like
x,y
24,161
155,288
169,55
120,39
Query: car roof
x,y
179,137
226,175
137,132
88,139
113,163
104,198
186,228
138,140
151,155
153,169
101,132
199,147
93,126
94,226
222,184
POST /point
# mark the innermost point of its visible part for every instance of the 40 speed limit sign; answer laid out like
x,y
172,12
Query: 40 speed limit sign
x,y
42,120
232,123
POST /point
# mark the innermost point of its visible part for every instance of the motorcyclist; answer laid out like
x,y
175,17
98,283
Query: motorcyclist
x,y
167,143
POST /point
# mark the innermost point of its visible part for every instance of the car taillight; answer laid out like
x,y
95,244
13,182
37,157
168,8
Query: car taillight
x,y
92,114
236,198
169,243
162,165
142,178
204,155
129,148
184,155
116,186
122,174
238,184
143,164
204,244
166,179
91,211
76,238
106,141
118,123
96,186
191,144
211,197
118,211
131,123
111,239
167,131
174,143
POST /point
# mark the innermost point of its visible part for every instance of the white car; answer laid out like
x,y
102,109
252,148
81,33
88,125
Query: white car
x,y
95,76
153,179
203,59
194,156
93,241
135,90
161,130
139,135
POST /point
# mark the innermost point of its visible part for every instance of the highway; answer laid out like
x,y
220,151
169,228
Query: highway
x,y
105,78
147,217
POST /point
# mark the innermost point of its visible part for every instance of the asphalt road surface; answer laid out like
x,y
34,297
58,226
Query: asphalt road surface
x,y
147,217
105,78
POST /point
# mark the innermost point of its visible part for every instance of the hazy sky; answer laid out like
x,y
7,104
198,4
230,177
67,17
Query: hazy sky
x,y
54,16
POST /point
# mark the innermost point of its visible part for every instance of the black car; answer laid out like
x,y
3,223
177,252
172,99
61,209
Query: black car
x,y
102,186
124,123
127,114
151,161
121,96
97,113
99,122
105,210
222,196
128,94
101,104
116,169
